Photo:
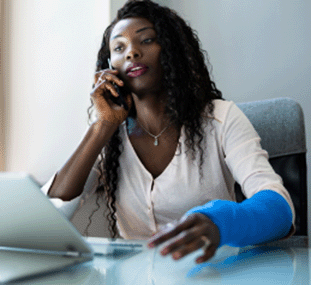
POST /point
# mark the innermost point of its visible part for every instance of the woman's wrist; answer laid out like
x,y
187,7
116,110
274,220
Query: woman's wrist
x,y
102,131
102,127
264,217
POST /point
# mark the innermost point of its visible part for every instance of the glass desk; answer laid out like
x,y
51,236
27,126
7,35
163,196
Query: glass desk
x,y
130,262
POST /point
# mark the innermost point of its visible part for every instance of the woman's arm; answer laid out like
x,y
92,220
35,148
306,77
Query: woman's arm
x,y
264,216
70,180
246,159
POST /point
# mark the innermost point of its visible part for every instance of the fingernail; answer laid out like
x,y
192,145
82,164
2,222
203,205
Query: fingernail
x,y
177,255
151,245
199,260
164,251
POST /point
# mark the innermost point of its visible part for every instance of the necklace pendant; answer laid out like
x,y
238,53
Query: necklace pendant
x,y
156,141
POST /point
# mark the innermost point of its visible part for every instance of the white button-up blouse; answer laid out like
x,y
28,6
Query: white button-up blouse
x,y
232,152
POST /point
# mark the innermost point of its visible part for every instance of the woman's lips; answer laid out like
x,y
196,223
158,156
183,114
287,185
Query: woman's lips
x,y
137,72
136,69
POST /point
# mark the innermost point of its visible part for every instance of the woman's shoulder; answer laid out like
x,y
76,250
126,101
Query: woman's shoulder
x,y
221,110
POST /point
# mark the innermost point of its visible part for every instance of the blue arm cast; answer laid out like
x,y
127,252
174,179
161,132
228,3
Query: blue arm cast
x,y
264,217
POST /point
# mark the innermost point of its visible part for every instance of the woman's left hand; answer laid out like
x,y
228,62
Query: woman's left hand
x,y
188,235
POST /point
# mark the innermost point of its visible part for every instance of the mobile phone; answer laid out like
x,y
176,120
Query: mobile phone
x,y
122,91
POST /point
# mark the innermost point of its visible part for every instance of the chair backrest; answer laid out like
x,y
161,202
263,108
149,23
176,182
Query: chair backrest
x,y
280,124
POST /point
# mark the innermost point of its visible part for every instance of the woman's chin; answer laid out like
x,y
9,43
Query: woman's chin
x,y
144,91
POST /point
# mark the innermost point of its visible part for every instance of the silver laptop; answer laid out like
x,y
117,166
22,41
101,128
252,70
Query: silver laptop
x,y
32,228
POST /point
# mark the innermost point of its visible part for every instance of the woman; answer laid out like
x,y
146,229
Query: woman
x,y
173,155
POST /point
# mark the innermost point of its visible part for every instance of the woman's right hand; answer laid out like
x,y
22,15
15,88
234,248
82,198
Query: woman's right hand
x,y
106,110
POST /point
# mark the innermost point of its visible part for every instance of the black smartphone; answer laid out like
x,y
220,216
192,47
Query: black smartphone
x,y
122,91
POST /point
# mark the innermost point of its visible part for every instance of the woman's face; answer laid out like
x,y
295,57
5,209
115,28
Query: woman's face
x,y
135,53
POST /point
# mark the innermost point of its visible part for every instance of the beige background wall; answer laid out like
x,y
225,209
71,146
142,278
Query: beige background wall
x,y
52,47
2,102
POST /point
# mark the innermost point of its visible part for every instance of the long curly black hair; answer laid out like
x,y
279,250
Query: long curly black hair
x,y
186,78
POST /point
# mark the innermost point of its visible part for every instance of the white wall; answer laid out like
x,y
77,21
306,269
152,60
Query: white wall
x,y
2,107
52,47
258,50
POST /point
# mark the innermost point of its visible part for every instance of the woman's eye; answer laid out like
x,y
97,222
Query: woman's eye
x,y
117,48
147,41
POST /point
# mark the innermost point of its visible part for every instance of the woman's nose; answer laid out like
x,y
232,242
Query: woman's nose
x,y
132,53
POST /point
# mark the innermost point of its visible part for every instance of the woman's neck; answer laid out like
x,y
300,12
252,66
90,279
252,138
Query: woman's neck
x,y
151,113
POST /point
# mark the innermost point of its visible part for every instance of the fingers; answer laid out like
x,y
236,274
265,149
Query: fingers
x,y
108,75
181,249
208,253
129,101
185,243
188,235
105,85
171,232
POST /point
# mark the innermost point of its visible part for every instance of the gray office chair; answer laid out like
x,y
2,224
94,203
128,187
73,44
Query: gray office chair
x,y
280,124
